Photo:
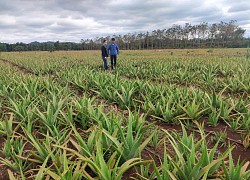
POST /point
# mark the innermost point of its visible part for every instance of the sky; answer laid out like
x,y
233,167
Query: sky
x,y
72,20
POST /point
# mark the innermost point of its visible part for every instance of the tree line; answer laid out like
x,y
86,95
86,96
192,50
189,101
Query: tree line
x,y
203,35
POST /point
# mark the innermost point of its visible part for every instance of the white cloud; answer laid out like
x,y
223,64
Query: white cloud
x,y
7,20
72,20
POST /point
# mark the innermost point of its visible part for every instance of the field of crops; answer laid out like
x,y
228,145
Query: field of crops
x,y
161,114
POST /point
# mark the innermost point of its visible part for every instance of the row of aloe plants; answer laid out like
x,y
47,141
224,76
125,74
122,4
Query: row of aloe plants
x,y
169,103
230,74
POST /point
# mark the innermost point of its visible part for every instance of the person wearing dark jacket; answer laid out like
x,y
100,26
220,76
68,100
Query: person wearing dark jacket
x,y
105,54
113,50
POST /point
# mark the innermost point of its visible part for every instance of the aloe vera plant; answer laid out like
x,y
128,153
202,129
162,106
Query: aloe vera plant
x,y
235,124
14,148
22,109
181,75
213,118
208,76
193,110
125,97
105,169
130,144
6,126
246,122
51,117
67,169
193,160
225,111
83,111
235,171
214,99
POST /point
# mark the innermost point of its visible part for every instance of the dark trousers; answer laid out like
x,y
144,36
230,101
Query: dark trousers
x,y
105,62
113,61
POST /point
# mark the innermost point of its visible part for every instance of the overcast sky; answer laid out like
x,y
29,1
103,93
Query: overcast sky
x,y
73,20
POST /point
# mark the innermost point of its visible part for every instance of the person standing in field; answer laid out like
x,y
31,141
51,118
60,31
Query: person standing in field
x,y
105,54
113,51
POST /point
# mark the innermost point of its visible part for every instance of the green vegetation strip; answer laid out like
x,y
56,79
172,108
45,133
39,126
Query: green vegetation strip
x,y
51,132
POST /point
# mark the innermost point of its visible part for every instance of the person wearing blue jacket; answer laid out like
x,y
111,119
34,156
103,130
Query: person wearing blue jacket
x,y
113,51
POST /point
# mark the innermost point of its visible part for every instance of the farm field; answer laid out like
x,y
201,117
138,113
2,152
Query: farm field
x,y
161,114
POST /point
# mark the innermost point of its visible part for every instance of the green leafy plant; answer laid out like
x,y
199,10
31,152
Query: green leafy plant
x,y
235,171
213,118
220,137
193,160
130,144
193,110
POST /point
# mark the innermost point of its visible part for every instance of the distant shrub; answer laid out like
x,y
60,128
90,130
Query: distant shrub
x,y
248,53
210,51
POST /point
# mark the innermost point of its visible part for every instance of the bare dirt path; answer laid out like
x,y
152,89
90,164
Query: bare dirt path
x,y
18,67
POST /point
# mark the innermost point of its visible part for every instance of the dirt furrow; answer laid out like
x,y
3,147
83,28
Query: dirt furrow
x,y
22,69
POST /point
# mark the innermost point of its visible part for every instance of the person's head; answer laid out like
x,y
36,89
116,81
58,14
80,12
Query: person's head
x,y
104,41
113,40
